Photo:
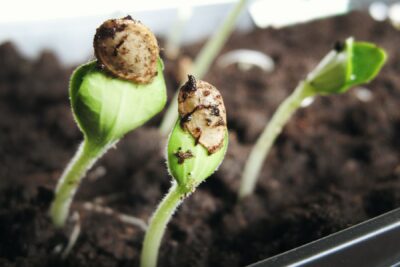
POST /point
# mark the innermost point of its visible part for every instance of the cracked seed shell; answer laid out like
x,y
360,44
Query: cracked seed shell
x,y
203,113
127,49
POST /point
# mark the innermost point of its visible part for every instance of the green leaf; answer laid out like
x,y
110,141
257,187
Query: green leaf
x,y
366,62
357,64
193,170
106,108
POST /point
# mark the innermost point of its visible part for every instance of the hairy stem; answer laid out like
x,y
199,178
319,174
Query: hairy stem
x,y
158,223
203,61
268,136
83,160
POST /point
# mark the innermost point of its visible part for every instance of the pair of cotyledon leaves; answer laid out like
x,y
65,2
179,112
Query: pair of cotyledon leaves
x,y
106,108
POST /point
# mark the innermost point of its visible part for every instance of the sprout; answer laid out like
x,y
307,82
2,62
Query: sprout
x,y
196,148
348,64
107,107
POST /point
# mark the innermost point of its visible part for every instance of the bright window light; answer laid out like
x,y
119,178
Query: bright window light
x,y
287,12
39,10
378,11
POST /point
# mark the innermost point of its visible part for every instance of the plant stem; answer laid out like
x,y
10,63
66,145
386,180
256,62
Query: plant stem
x,y
203,61
83,160
173,41
215,43
158,224
268,136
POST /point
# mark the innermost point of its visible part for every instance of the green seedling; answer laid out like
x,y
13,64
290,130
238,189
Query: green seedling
x,y
204,60
110,97
347,65
196,148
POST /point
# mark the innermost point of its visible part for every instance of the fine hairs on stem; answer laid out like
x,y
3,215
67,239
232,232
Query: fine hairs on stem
x,y
196,147
348,64
203,61
105,97
83,160
159,221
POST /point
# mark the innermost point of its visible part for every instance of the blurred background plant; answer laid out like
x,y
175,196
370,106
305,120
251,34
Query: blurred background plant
x,y
62,27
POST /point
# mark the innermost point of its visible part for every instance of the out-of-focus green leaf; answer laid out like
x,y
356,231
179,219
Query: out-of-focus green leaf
x,y
357,63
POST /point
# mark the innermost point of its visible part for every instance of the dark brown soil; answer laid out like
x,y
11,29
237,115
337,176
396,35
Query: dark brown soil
x,y
336,163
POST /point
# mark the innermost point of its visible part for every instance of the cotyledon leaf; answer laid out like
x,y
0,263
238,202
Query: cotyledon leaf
x,y
199,163
106,108
356,63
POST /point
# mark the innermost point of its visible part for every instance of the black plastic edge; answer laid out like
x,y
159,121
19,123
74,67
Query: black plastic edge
x,y
375,242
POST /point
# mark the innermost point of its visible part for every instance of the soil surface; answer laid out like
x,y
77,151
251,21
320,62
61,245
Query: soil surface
x,y
336,163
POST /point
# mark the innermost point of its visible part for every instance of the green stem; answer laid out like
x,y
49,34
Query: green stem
x,y
203,61
174,36
216,42
158,224
171,115
268,136
83,160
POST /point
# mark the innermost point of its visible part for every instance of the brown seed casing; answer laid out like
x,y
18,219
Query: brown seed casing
x,y
127,49
203,113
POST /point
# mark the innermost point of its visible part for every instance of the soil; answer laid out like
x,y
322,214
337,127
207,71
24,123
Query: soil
x,y
336,163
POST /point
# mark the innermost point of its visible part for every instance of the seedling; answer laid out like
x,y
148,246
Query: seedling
x,y
110,97
204,60
196,148
348,64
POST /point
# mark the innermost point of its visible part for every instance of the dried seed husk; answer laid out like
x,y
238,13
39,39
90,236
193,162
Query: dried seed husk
x,y
203,113
127,49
